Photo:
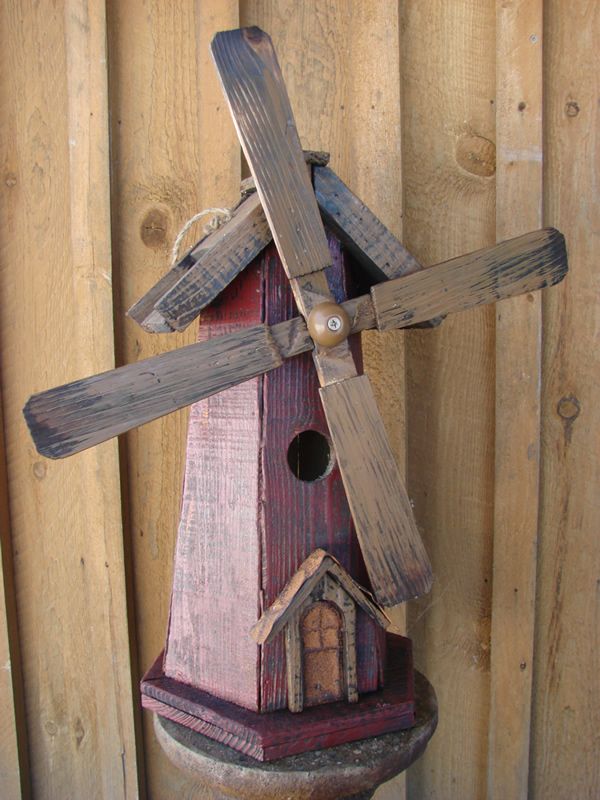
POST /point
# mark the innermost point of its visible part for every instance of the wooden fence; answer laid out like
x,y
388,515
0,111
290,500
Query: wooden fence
x,y
459,123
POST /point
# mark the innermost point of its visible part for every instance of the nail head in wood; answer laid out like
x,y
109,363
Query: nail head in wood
x,y
329,324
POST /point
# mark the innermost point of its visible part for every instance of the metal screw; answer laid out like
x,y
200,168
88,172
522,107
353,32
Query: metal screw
x,y
334,323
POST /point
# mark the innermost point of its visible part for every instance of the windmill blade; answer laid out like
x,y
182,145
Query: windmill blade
x,y
390,541
261,111
254,87
524,264
84,413
81,414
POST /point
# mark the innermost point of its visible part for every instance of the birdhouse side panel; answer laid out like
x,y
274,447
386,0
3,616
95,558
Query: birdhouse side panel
x,y
216,583
370,653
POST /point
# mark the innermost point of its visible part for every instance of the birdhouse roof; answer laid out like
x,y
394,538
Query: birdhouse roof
x,y
299,587
201,275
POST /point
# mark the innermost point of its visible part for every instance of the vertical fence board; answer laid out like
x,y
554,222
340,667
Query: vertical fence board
x,y
518,384
448,86
341,65
14,767
56,316
174,152
566,720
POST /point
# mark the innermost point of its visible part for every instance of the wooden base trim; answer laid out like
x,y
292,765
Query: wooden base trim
x,y
274,735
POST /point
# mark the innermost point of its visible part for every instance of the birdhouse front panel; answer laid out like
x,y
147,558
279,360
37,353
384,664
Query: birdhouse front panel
x,y
307,506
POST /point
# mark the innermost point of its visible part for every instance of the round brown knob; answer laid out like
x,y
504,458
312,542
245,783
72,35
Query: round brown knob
x,y
328,324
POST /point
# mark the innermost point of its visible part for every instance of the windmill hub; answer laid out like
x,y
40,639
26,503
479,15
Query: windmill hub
x,y
329,324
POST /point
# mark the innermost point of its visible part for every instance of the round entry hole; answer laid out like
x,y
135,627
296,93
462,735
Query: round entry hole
x,y
309,456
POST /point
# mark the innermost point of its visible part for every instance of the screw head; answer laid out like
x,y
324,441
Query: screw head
x,y
328,324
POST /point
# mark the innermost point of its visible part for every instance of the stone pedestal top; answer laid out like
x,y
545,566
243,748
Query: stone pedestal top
x,y
352,771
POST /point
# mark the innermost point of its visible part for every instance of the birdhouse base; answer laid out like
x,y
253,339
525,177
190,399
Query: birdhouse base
x,y
277,734
351,771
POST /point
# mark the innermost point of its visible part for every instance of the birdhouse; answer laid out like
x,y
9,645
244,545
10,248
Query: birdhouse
x,y
296,530
271,608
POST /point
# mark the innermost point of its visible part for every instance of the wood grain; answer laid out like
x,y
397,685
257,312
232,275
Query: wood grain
x,y
173,152
14,766
180,295
566,711
217,572
364,236
81,414
270,736
256,94
519,266
448,131
198,278
56,322
518,386
396,560
318,514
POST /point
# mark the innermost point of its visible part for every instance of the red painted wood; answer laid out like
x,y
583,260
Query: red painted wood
x,y
216,580
270,736
301,516
247,522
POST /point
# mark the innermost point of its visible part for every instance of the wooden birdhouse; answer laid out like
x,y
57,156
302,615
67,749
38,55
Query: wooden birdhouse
x,y
270,606
296,529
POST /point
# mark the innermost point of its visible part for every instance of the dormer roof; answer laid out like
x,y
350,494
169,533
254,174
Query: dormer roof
x,y
298,589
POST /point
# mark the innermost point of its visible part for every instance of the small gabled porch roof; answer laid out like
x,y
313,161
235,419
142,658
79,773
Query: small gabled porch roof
x,y
298,589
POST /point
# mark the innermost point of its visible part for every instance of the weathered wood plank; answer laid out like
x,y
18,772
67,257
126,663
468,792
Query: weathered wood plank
x,y
271,736
293,671
81,414
391,546
566,716
258,100
143,310
518,385
520,265
180,295
317,514
217,570
56,322
14,766
448,130
255,91
173,152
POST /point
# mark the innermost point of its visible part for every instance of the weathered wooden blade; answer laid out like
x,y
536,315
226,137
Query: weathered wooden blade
x,y
524,264
78,415
392,548
253,85
84,413
261,111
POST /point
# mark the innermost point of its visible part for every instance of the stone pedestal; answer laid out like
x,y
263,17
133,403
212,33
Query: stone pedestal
x,y
352,771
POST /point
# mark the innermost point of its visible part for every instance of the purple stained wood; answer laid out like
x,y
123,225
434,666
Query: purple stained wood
x,y
247,521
